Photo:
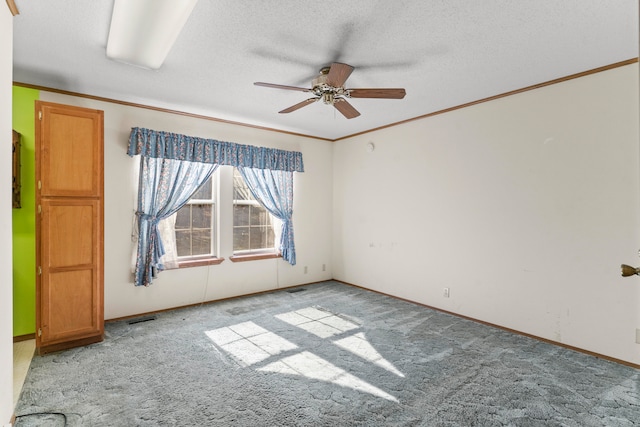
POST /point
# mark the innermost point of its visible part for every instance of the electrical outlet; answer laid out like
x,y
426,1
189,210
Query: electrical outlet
x,y
305,269
324,267
637,336
445,292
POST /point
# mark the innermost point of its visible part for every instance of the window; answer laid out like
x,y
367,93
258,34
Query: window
x,y
252,223
195,224
172,168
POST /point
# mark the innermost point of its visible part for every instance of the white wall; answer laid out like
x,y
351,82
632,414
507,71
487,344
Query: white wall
x,y
173,288
524,207
6,275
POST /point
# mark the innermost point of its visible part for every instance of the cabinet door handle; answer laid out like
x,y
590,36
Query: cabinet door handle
x,y
627,270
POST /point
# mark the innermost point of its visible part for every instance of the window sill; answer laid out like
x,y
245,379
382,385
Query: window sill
x,y
199,262
254,257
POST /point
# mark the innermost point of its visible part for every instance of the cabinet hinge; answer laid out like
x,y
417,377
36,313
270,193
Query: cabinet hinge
x,y
39,271
39,209
39,184
39,115
39,332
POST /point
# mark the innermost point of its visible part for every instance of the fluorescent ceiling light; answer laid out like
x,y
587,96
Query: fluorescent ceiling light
x,y
142,32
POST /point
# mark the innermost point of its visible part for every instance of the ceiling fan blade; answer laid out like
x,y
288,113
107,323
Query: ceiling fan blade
x,y
275,86
338,74
397,93
298,105
345,108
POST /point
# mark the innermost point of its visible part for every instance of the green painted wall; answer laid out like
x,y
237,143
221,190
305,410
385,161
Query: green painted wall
x,y
24,221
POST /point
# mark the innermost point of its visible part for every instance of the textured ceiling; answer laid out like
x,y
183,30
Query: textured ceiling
x,y
444,52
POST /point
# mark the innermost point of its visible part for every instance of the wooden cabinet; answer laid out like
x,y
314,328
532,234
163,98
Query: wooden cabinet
x,y
69,226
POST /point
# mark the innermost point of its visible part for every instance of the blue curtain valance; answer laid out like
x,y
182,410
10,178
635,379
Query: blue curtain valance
x,y
166,145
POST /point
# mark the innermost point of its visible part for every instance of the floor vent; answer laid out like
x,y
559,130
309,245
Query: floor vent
x,y
293,291
141,319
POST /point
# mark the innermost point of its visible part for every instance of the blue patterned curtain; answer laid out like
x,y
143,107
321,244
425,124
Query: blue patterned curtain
x,y
165,185
274,190
173,166
166,145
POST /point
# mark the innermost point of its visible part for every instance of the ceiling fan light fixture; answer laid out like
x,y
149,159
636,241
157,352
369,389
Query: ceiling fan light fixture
x,y
142,32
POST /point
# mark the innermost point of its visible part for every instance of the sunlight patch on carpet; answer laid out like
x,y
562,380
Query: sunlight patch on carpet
x,y
358,345
320,323
311,366
249,343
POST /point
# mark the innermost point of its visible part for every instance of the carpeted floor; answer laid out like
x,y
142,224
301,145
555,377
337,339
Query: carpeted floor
x,y
329,355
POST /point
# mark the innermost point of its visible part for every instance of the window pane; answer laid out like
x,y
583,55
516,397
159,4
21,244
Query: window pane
x,y
258,215
201,242
257,238
195,224
183,242
241,239
201,216
240,188
271,239
241,215
252,222
183,217
204,192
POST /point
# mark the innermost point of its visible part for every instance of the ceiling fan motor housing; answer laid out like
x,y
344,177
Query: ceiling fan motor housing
x,y
323,90
319,81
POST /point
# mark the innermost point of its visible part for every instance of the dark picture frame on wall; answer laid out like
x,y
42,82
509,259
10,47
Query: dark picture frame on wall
x,y
16,184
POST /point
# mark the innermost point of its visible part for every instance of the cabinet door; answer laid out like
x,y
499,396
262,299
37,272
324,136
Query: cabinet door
x,y
69,226
71,159
71,301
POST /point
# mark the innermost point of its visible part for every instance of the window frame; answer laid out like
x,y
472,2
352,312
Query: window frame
x,y
251,254
211,258
222,242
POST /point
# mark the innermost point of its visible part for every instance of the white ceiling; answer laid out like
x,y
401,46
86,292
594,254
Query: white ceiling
x,y
444,52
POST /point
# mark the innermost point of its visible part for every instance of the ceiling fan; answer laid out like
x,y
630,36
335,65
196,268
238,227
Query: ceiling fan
x,y
329,87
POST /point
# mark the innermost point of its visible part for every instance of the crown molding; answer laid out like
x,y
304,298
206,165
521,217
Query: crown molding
x,y
502,95
435,113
